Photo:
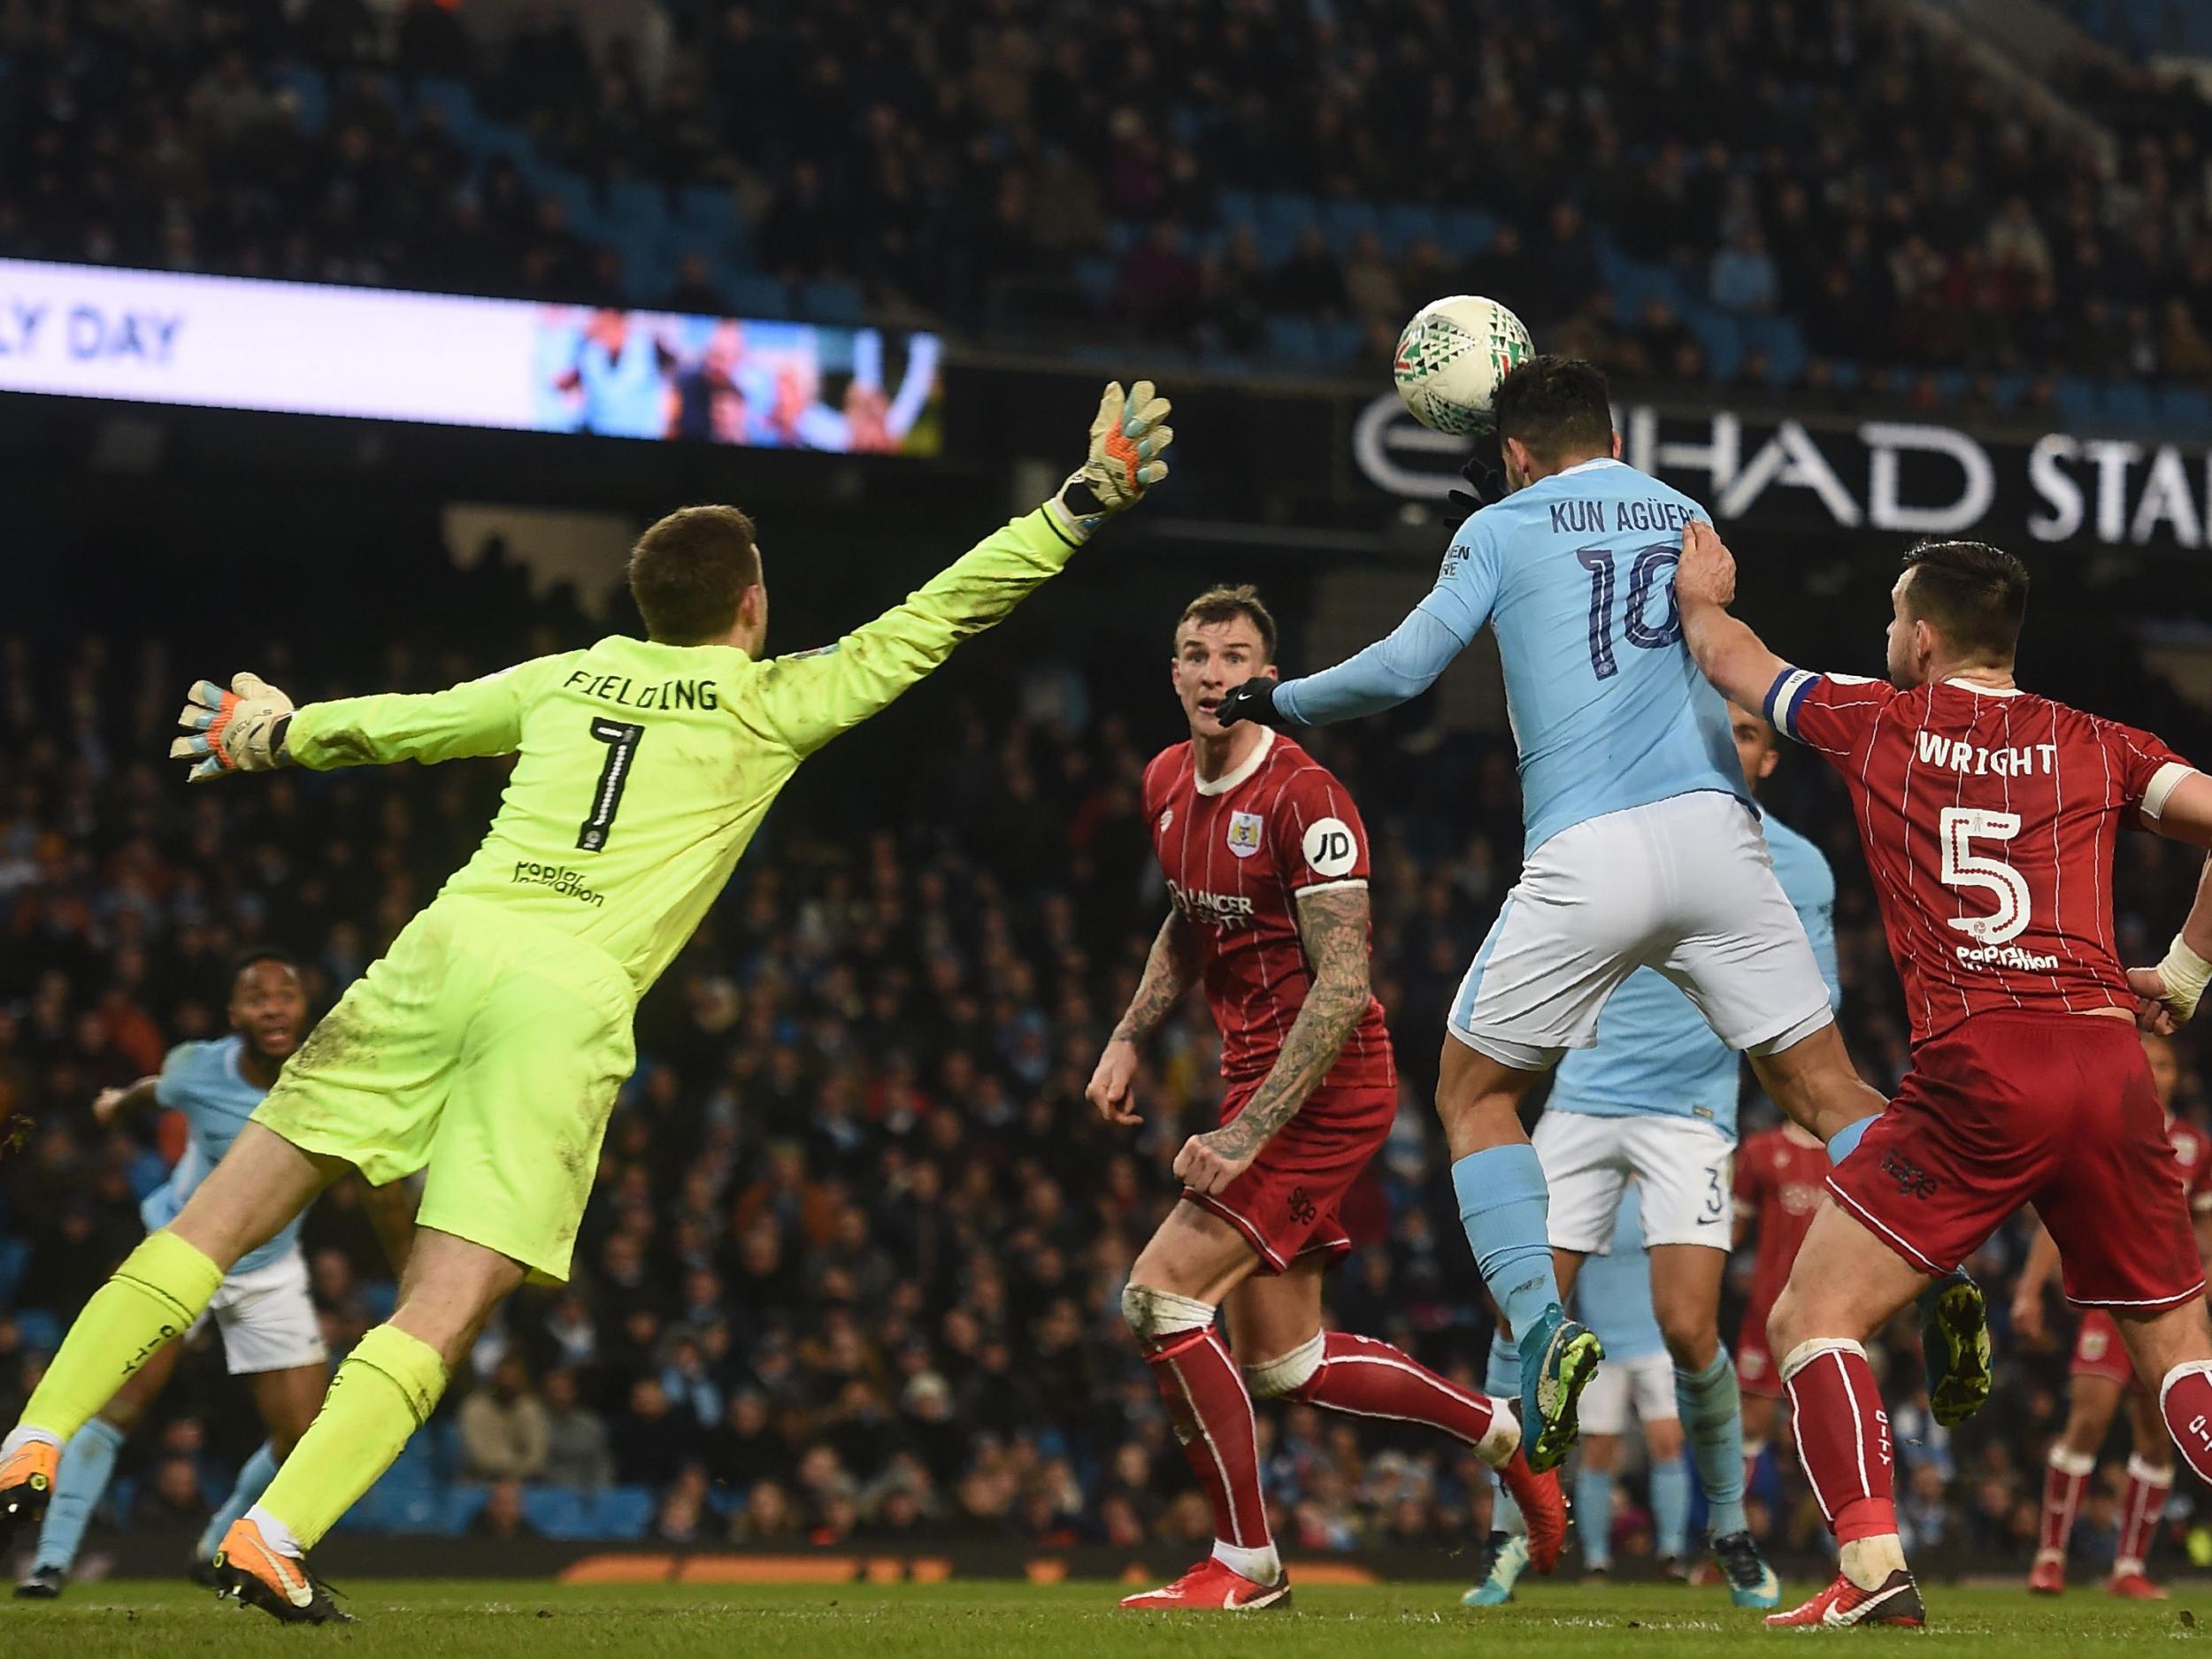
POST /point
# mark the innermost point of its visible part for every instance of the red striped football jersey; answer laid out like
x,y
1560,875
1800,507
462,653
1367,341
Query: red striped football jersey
x,y
1238,851
1988,817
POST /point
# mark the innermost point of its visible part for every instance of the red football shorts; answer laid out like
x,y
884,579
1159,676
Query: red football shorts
x,y
2011,1108
1757,1374
1286,1204
2098,1351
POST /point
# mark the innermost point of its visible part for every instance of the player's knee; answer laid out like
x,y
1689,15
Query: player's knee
x,y
1692,1336
1154,1314
1286,1374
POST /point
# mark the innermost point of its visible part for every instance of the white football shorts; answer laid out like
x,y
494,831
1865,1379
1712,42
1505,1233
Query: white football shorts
x,y
267,1318
1686,886
1648,1380
1683,1164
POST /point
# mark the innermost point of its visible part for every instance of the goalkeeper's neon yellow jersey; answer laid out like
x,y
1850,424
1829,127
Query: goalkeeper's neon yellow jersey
x,y
644,769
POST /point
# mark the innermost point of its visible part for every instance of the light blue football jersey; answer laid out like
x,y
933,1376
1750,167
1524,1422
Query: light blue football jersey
x,y
202,1081
1576,575
1655,1052
1613,1293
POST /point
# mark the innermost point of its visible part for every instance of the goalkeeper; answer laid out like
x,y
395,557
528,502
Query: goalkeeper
x,y
486,1047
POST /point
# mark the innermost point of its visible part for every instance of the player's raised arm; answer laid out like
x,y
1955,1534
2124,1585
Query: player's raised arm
x,y
254,727
1725,650
1332,926
1396,669
809,698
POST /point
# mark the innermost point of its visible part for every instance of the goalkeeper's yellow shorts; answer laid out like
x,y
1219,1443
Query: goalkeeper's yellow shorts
x,y
485,1047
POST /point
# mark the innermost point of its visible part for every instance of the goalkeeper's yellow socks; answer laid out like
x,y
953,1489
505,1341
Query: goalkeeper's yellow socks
x,y
161,1288
385,1390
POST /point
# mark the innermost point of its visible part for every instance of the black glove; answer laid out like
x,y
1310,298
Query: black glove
x,y
1485,473
1254,700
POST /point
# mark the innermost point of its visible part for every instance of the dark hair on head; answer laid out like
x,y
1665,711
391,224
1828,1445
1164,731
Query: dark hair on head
x,y
687,572
260,954
1974,595
1225,603
1557,406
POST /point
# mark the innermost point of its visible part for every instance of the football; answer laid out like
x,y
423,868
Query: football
x,y
1451,358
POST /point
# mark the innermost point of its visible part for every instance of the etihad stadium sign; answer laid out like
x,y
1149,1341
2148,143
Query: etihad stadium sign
x,y
1912,478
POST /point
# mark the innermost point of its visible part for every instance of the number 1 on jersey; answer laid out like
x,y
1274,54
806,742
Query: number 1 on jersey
x,y
606,796
1653,571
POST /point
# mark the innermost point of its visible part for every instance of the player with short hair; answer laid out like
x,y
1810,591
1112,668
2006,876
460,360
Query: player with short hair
x,y
271,1335
1266,864
1988,816
485,1046
1642,846
2102,1377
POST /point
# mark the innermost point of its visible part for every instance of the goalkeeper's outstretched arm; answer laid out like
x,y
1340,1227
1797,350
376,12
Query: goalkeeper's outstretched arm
x,y
805,699
254,727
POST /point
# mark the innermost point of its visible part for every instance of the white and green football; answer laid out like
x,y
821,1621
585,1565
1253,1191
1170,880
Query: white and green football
x,y
1451,358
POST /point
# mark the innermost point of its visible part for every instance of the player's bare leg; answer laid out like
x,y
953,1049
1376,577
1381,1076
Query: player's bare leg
x,y
1276,1333
1176,1288
84,1471
1847,1283
1503,1204
1685,1284
385,1391
2092,1402
153,1297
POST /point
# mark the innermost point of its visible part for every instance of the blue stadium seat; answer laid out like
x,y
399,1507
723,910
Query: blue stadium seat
x,y
1339,341
1096,277
39,1329
2128,404
1405,223
753,294
836,303
1468,231
463,1505
309,91
1291,342
2077,399
621,1512
1237,207
1719,335
14,1253
1347,219
638,205
706,206
2183,412
555,1512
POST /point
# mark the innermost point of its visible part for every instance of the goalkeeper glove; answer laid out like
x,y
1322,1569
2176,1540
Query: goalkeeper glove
x,y
239,730
1254,700
1485,472
1128,437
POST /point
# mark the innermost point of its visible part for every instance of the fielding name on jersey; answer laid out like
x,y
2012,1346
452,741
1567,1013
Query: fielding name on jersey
x,y
1975,760
668,694
1212,909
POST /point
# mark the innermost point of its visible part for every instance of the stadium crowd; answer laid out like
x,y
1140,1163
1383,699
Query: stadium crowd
x,y
1814,193
853,1266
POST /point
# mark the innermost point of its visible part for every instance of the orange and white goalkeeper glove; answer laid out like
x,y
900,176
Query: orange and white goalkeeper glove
x,y
239,730
1128,437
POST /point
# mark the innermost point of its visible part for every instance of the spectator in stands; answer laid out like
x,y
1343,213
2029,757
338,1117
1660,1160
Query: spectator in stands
x,y
503,1516
504,1433
577,1457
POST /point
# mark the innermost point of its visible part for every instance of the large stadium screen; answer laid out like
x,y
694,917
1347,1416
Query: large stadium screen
x,y
306,348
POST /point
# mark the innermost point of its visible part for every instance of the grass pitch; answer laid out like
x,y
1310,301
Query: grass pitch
x,y
528,1620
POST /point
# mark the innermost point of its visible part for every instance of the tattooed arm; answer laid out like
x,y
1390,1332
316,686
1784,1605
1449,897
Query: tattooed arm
x,y
1169,973
1332,924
